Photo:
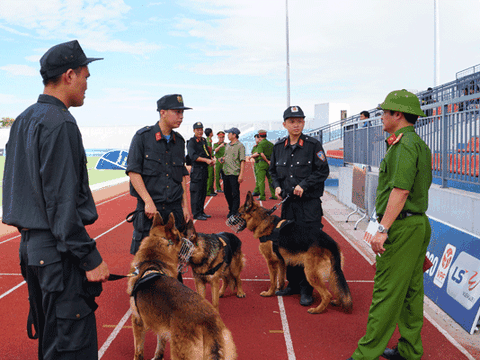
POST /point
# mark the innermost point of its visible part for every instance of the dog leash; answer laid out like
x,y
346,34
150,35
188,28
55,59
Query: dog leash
x,y
275,207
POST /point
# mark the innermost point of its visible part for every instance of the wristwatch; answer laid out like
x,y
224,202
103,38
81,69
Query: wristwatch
x,y
382,229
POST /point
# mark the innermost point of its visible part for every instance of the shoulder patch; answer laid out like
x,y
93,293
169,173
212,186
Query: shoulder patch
x,y
321,155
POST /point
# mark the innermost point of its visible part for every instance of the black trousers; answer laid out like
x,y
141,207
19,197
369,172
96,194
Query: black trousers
x,y
308,211
61,300
198,189
142,224
231,189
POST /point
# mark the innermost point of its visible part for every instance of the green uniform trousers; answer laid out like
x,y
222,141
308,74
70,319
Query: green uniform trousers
x,y
262,172
255,173
398,291
218,169
211,176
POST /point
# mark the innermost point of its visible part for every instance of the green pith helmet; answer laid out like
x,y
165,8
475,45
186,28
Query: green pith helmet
x,y
403,101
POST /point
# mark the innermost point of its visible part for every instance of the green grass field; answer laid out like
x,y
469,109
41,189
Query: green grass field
x,y
94,176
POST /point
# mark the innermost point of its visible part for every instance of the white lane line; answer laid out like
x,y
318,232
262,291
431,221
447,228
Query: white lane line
x,y
101,203
12,289
13,238
114,334
286,329
99,236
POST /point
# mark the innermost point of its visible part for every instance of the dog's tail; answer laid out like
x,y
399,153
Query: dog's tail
x,y
337,278
218,344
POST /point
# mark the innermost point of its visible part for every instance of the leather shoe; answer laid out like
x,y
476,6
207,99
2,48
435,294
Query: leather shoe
x,y
273,198
287,291
219,191
255,194
207,216
212,194
200,217
392,354
350,358
306,299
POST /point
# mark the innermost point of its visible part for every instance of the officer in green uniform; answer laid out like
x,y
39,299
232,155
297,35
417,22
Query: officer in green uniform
x,y
219,152
256,156
211,168
402,237
264,149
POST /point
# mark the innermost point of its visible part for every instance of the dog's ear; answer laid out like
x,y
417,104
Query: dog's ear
x,y
171,222
248,202
157,220
190,231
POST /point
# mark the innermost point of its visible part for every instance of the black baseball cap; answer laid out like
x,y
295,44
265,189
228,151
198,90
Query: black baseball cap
x,y
171,102
293,112
59,58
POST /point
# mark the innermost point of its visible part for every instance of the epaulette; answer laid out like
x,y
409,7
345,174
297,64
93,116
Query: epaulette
x,y
311,139
281,141
178,135
144,130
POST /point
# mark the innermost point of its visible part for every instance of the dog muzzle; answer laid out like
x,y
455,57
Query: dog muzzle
x,y
236,223
184,255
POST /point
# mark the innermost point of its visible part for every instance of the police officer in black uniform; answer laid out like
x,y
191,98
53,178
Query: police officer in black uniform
x,y
201,159
156,167
299,169
47,197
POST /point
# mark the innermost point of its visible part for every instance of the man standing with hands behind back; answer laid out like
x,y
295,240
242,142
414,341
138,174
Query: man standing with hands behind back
x,y
299,168
402,237
156,167
47,197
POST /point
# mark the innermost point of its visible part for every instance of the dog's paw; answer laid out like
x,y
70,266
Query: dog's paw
x,y
335,302
267,293
241,294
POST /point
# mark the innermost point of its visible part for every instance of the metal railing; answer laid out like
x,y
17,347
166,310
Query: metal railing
x,y
452,131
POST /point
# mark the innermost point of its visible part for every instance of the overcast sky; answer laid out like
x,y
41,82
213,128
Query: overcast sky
x,y
228,57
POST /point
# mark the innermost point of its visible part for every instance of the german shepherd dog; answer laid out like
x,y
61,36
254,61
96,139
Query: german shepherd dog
x,y
173,311
286,242
215,257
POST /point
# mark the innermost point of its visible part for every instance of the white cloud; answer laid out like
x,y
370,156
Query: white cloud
x,y
96,22
20,70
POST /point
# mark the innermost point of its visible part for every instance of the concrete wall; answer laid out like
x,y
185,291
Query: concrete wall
x,y
457,208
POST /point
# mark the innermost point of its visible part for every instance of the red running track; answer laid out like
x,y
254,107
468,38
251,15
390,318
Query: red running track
x,y
272,328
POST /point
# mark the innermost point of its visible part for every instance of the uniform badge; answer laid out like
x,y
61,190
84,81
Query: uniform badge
x,y
294,109
158,136
321,155
300,142
179,99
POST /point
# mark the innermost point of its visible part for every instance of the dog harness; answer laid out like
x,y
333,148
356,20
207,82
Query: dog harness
x,y
274,236
227,254
148,276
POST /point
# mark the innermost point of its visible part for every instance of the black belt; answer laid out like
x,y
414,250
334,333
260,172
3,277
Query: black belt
x,y
401,216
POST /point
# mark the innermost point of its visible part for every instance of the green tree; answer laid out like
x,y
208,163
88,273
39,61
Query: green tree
x,y
6,122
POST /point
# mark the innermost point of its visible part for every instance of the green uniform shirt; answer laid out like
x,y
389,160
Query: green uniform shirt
x,y
209,144
254,150
220,152
407,165
265,147
234,155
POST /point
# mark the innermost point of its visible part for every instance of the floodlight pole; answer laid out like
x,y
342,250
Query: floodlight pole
x,y
288,57
436,56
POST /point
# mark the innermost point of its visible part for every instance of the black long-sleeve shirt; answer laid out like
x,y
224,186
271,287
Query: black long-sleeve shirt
x,y
161,164
303,163
45,181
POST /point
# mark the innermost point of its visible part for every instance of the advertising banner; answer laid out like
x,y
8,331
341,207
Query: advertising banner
x,y
453,280
113,160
